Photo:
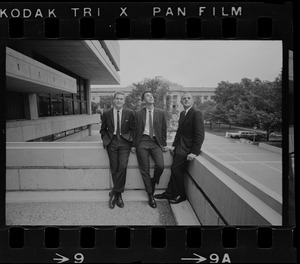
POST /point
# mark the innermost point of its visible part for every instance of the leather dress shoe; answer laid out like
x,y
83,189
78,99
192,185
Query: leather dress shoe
x,y
152,202
119,200
112,200
177,199
163,195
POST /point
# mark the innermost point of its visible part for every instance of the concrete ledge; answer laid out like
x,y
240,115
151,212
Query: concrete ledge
x,y
23,130
69,166
265,194
233,202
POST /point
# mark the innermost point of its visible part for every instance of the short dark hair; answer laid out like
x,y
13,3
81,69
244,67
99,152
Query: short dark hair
x,y
143,94
118,92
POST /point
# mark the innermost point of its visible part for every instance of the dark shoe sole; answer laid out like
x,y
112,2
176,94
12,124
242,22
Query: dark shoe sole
x,y
162,196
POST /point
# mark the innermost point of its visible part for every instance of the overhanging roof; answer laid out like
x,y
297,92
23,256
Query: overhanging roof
x,y
86,58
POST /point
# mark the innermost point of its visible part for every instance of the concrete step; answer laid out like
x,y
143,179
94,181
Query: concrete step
x,y
183,213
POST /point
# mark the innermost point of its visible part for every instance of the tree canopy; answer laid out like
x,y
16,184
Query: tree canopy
x,y
158,88
252,103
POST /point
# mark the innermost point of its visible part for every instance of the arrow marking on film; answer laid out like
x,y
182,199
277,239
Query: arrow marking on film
x,y
198,259
61,259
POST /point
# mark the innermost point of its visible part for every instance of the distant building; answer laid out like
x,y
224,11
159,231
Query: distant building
x,y
176,91
48,86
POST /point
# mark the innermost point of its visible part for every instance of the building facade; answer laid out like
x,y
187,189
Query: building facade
x,y
48,87
175,93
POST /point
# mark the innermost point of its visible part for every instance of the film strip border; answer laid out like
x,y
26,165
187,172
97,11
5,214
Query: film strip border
x,y
236,20
144,244
210,20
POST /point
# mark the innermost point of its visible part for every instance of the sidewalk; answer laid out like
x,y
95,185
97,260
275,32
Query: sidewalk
x,y
260,165
91,208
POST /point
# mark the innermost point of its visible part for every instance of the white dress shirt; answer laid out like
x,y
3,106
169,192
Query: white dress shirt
x,y
146,130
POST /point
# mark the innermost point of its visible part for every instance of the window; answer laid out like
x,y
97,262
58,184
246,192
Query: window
x,y
44,105
57,105
59,135
64,104
70,132
14,106
68,106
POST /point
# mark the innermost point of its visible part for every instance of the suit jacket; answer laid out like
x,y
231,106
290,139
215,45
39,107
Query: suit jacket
x,y
190,132
159,126
108,126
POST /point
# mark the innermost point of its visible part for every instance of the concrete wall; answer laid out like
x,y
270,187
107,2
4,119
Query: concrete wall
x,y
68,166
20,131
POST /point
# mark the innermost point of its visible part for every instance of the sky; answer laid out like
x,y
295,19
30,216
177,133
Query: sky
x,y
199,63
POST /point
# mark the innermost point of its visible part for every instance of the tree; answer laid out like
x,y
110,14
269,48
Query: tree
x,y
106,102
95,107
250,103
158,88
160,91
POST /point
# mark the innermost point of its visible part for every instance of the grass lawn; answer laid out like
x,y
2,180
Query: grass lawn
x,y
219,130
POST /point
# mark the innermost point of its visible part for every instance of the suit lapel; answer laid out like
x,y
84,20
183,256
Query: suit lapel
x,y
123,116
189,113
144,117
111,114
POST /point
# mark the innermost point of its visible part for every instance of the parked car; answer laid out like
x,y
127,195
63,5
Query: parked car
x,y
276,135
242,134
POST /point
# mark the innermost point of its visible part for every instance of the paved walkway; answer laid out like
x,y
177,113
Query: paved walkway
x,y
261,165
91,208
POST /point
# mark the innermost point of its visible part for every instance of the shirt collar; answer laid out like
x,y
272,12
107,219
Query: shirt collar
x,y
118,110
186,111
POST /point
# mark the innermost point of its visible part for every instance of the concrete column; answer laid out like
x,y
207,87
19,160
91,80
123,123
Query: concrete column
x,y
88,90
89,103
30,106
33,108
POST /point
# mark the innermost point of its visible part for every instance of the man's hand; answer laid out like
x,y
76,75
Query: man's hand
x,y
165,148
133,150
172,150
191,156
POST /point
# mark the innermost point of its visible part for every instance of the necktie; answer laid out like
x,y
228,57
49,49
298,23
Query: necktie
x,y
150,125
118,124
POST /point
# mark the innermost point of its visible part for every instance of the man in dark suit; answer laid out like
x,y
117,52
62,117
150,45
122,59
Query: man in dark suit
x,y
150,139
117,134
186,146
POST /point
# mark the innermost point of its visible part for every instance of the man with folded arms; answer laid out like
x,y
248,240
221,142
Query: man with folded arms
x,y
186,146
117,134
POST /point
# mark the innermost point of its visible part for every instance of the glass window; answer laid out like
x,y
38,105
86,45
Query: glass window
x,y
78,129
76,107
59,135
44,105
70,132
68,107
57,105
14,106
83,108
